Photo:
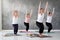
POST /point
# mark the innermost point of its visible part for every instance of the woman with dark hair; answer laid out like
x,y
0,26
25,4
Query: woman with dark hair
x,y
40,18
49,20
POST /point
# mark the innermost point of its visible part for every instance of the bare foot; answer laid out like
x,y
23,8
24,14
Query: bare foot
x,y
15,34
41,35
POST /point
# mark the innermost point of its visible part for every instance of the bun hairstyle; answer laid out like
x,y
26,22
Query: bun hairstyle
x,y
41,9
49,13
15,11
28,13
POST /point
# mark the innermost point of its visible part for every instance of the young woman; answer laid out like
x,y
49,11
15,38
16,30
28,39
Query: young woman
x,y
15,21
49,19
27,19
40,19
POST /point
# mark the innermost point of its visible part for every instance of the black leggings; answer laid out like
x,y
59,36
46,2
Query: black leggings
x,y
27,26
49,25
15,28
40,26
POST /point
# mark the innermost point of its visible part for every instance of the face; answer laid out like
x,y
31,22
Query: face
x,y
50,14
15,12
28,15
41,10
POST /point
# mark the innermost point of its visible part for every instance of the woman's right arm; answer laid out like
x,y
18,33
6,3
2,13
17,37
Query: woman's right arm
x,y
26,14
53,11
45,10
39,7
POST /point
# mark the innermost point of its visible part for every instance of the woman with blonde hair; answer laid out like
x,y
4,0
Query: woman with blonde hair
x,y
27,19
49,20
15,21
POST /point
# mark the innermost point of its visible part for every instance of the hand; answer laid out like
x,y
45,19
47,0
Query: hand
x,y
53,8
47,3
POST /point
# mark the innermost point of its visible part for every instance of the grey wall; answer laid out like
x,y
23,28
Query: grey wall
x,y
21,6
0,17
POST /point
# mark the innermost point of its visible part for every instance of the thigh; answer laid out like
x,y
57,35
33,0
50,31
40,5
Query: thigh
x,y
42,25
26,24
37,24
49,24
15,25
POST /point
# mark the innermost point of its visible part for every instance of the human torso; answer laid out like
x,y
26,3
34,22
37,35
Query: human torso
x,y
40,17
27,19
49,19
15,20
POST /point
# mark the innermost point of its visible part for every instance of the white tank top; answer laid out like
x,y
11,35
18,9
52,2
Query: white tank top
x,y
27,20
49,19
40,18
15,20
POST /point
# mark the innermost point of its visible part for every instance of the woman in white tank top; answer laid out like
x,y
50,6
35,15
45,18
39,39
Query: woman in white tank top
x,y
40,19
15,21
49,20
27,19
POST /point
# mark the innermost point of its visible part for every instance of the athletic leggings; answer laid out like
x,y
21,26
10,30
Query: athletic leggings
x,y
15,28
40,26
27,26
49,25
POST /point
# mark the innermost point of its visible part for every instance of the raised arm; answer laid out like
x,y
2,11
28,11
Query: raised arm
x,y
13,13
53,10
26,13
39,7
47,11
46,7
31,13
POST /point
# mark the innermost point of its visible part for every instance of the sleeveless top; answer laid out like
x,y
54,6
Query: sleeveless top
x,y
49,19
15,20
40,17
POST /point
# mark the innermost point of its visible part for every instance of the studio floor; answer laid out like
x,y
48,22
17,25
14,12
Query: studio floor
x,y
8,35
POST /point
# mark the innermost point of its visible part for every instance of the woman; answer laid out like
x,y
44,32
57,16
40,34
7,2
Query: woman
x,y
40,19
27,19
15,21
49,19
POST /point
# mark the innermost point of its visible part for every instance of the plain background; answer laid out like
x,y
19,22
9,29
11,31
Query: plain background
x,y
22,5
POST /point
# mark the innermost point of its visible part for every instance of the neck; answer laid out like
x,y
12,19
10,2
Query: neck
x,y
15,16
